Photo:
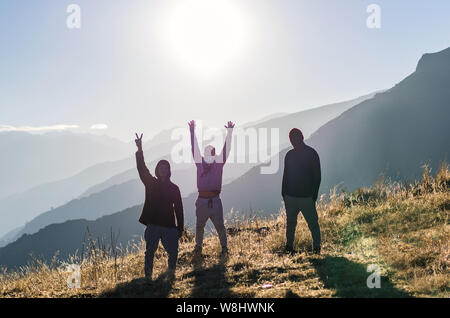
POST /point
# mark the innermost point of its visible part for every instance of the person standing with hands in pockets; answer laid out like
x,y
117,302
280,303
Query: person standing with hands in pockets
x,y
300,188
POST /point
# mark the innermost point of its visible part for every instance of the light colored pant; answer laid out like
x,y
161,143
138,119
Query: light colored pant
x,y
308,208
169,238
209,209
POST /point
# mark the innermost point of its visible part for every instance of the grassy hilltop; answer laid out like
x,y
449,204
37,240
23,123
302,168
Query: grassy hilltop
x,y
404,229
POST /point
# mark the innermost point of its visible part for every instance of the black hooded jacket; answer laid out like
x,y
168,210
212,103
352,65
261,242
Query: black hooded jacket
x,y
163,205
302,176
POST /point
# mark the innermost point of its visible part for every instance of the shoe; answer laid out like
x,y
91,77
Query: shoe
x,y
148,279
316,251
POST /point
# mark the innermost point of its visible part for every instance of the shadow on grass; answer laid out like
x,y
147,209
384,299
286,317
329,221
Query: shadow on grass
x,y
211,282
291,294
349,279
141,288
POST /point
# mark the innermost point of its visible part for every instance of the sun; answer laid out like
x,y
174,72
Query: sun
x,y
206,34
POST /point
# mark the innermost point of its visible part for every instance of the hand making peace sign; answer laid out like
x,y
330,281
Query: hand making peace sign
x,y
138,141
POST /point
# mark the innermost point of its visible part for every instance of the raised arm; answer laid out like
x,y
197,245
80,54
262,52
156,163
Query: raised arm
x,y
227,146
145,175
194,143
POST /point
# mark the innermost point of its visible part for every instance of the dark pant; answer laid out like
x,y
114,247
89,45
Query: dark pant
x,y
169,238
308,208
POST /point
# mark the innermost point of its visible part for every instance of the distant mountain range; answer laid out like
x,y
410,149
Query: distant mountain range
x,y
55,202
51,195
29,160
394,134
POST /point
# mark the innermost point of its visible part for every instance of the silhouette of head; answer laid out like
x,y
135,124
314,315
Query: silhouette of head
x,y
210,154
162,170
296,137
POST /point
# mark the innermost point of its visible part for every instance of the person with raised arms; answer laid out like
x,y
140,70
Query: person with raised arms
x,y
209,184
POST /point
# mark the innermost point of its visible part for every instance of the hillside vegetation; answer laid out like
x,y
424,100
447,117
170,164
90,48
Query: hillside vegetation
x,y
404,229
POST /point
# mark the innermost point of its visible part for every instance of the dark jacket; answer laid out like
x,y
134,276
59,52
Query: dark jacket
x,y
301,177
163,202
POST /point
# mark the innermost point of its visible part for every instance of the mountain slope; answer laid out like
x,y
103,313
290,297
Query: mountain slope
x,y
46,196
68,237
394,133
309,120
115,198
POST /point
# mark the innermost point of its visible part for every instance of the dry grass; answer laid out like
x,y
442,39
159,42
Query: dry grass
x,y
402,228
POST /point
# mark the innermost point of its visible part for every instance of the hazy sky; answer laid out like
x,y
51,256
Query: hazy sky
x,y
141,65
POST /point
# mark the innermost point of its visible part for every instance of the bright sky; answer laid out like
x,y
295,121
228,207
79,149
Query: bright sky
x,y
140,65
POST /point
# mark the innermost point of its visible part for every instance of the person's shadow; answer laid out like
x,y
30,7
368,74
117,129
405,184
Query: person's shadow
x,y
141,288
349,279
212,281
